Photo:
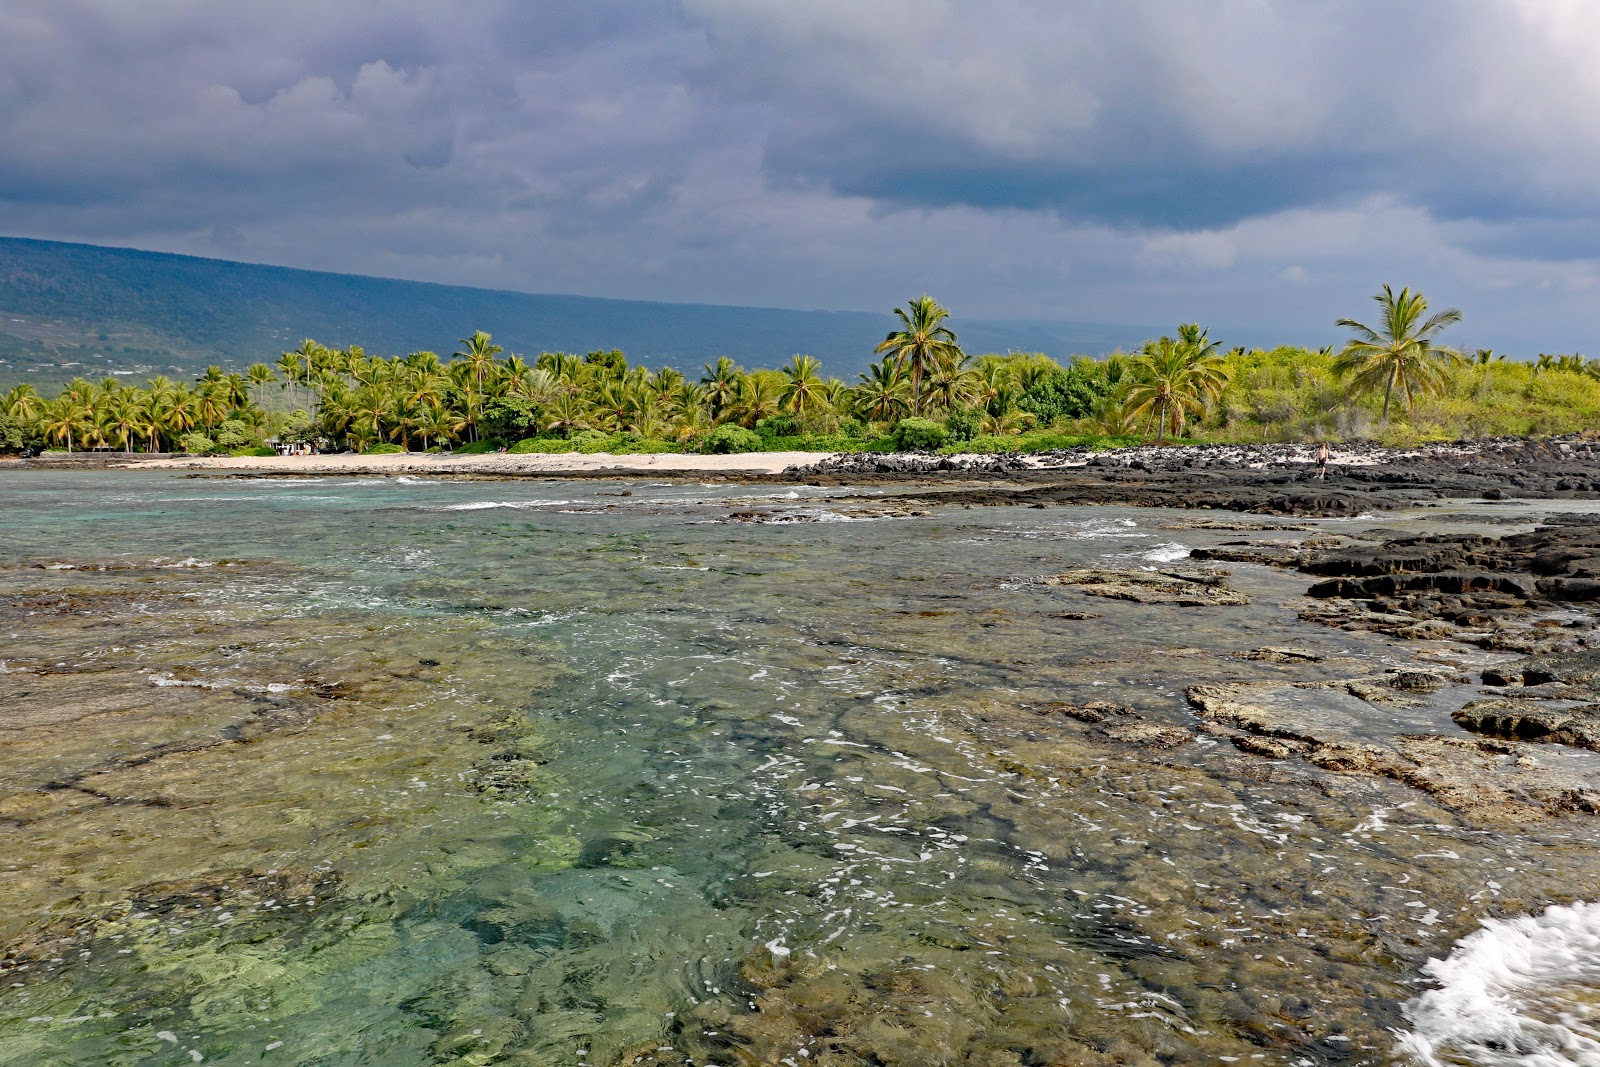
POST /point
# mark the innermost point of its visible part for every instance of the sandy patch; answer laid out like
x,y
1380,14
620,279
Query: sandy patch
x,y
495,463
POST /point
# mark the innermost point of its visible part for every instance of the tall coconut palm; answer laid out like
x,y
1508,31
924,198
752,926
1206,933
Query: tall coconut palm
x,y
23,403
126,418
478,354
257,375
757,396
884,394
66,419
803,389
721,381
922,338
950,383
1171,380
1401,352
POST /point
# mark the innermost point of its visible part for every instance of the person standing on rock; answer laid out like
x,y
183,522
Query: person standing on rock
x,y
1322,460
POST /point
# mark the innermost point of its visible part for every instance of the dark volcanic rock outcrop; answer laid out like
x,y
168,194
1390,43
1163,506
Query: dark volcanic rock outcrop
x,y
1490,591
1193,589
1577,669
1526,720
1264,479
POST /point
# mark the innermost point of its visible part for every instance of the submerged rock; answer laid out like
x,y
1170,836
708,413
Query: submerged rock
x,y
1272,654
1573,668
1489,779
1179,588
1497,593
1525,720
1146,734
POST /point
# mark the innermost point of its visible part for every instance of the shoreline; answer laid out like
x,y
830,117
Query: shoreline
x,y
1276,479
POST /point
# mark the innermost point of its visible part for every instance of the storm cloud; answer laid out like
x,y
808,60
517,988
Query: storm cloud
x,y
1252,163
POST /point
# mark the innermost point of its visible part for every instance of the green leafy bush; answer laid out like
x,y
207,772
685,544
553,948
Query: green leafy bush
x,y
15,435
1066,392
384,448
257,450
918,433
198,444
509,418
478,448
964,423
1041,441
591,441
776,427
233,434
542,445
730,438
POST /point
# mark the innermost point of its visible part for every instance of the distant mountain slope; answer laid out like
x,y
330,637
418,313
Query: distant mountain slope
x,y
77,309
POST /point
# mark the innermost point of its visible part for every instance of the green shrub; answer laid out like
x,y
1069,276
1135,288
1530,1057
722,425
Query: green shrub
x,y
1066,392
1040,441
918,433
478,448
730,438
542,445
384,448
591,441
964,423
258,450
232,434
643,446
777,427
198,444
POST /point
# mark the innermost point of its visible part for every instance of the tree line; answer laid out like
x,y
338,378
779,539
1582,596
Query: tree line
x,y
924,391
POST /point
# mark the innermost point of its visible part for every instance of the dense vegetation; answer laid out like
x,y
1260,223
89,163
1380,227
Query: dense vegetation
x,y
1392,382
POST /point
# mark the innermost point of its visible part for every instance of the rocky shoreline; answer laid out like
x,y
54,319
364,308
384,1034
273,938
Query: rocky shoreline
x,y
1532,593
1259,479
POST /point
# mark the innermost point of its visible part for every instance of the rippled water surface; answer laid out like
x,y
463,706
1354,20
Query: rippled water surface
x,y
361,771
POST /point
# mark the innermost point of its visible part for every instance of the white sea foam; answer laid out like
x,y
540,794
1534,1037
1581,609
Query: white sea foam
x,y
1523,991
1170,552
480,505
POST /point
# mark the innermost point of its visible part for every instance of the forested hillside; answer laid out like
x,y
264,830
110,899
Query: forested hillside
x,y
68,309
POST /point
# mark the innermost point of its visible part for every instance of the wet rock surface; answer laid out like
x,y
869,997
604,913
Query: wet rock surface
x,y
1524,592
1488,779
1189,588
1526,720
1580,669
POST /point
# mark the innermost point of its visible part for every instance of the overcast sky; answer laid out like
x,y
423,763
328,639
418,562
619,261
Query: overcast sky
x,y
1260,165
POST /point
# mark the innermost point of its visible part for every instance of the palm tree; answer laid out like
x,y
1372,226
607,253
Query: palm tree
x,y
478,355
757,396
66,419
922,339
803,391
257,374
1172,379
950,383
1401,352
883,394
567,413
127,418
23,403
721,383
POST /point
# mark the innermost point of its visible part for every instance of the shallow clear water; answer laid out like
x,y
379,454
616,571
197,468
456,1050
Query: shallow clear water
x,y
360,771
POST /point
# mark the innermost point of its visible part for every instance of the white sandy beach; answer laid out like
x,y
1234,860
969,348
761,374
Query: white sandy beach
x,y
492,463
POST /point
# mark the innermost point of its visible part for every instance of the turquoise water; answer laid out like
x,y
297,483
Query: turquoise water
x,y
377,771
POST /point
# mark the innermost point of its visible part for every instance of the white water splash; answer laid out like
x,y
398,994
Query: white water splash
x,y
1169,552
1523,991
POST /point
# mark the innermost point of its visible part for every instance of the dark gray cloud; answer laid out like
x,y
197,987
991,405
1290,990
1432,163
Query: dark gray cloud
x,y
1143,112
1251,161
